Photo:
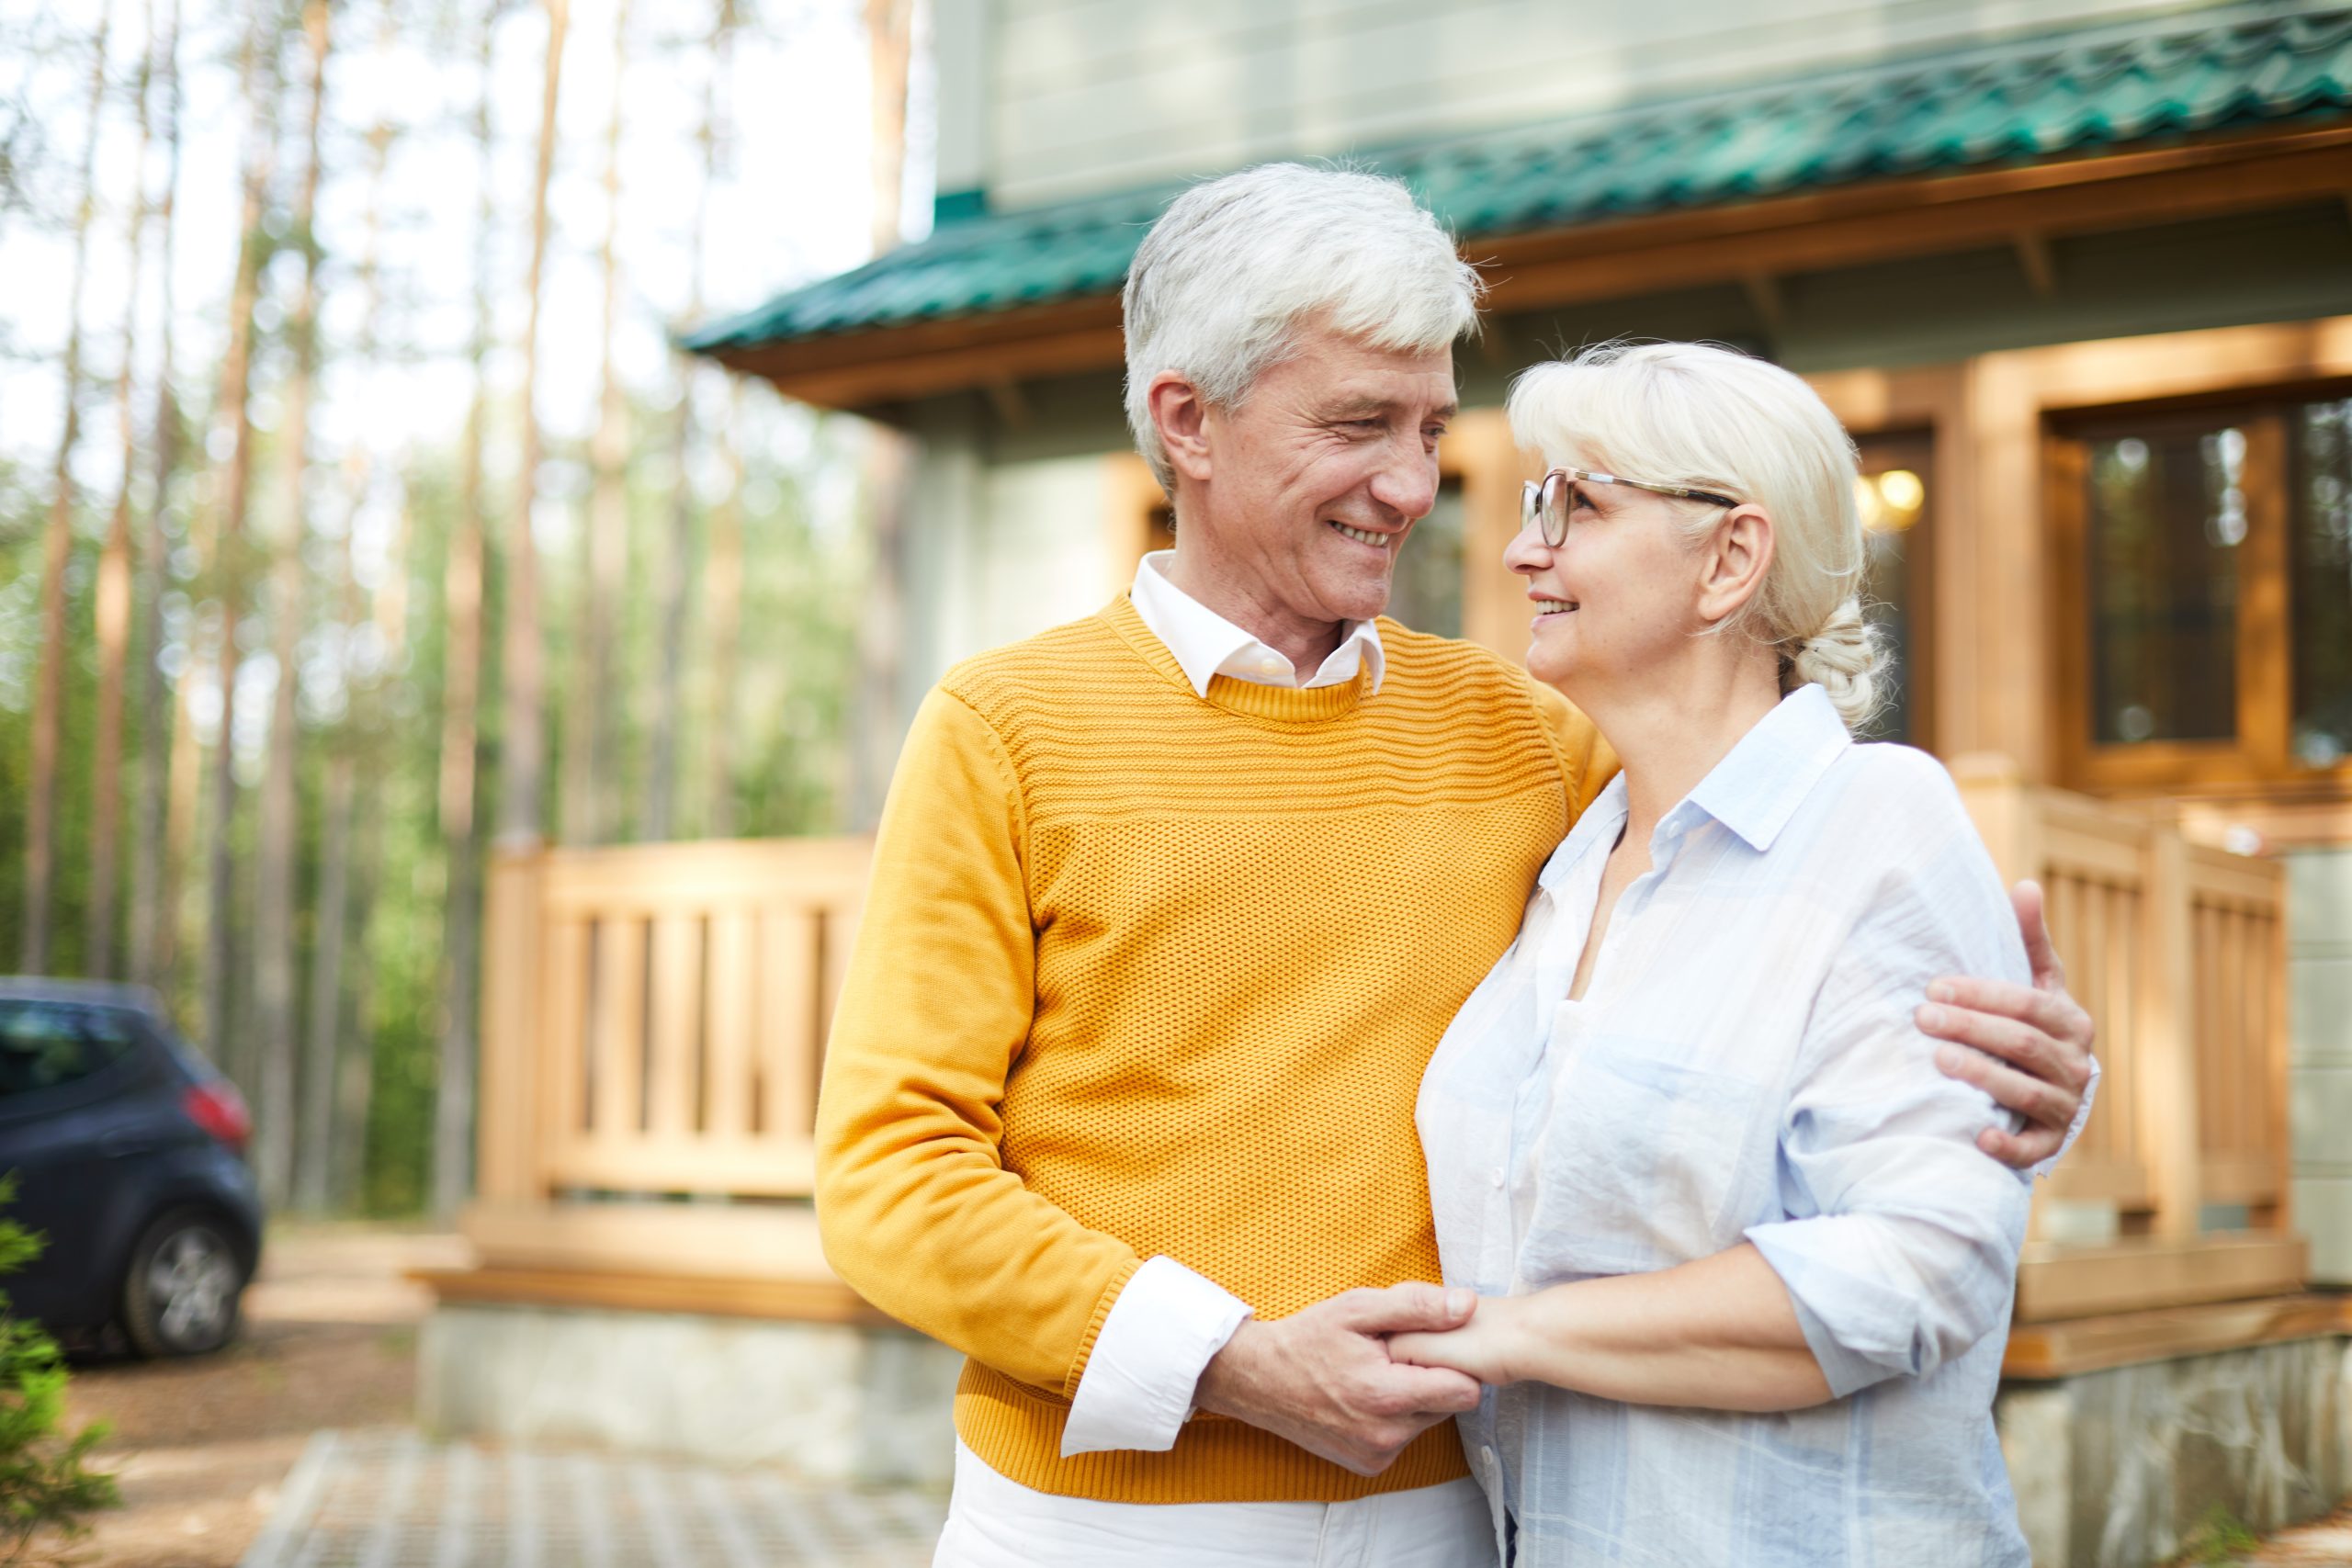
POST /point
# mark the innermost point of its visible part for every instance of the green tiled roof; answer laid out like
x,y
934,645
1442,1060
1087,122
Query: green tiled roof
x,y
2037,99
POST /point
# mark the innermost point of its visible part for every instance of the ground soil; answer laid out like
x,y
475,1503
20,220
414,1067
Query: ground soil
x,y
201,1445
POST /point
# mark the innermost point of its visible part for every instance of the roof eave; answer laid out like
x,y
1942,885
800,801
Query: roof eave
x,y
1534,269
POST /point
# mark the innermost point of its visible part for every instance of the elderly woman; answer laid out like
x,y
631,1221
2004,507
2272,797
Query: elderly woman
x,y
1744,1272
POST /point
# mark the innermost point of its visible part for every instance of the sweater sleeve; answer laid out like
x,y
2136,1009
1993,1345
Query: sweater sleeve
x,y
917,1211
1584,758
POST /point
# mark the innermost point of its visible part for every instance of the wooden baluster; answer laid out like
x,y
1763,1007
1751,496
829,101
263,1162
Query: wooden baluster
x,y
787,1027
615,1115
2166,1065
674,1067
728,1010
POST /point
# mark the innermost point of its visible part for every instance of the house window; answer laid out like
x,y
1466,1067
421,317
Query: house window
x,y
1893,494
2209,584
2319,457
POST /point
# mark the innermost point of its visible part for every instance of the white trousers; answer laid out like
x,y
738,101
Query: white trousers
x,y
996,1523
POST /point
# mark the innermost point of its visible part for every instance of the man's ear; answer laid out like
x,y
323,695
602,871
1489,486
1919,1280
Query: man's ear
x,y
1735,563
1181,417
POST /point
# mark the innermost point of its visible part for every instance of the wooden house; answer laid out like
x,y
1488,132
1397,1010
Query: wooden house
x,y
2077,275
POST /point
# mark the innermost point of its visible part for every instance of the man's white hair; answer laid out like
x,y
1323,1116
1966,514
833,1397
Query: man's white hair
x,y
1715,419
1223,282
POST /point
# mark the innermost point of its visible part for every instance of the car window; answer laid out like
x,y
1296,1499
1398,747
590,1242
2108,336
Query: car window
x,y
44,1044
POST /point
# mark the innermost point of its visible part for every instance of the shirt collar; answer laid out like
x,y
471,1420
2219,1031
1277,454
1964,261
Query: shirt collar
x,y
1206,645
1754,790
1761,782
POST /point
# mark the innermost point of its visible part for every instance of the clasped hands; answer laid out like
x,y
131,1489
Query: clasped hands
x,y
1326,1378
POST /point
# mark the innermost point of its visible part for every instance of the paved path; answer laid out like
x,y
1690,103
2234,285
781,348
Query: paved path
x,y
387,1498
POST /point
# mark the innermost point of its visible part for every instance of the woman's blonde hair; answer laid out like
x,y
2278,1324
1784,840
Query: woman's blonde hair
x,y
1696,415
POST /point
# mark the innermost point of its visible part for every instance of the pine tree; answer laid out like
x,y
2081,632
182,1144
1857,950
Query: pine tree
x,y
57,548
324,1064
461,684
279,848
677,558
590,739
150,895
524,735
113,601
233,410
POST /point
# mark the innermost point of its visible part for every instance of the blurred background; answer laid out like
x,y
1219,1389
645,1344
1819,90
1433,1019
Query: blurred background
x,y
483,490
306,307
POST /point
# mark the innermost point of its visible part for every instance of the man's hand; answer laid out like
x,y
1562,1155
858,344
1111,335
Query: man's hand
x,y
1323,1378
2040,1031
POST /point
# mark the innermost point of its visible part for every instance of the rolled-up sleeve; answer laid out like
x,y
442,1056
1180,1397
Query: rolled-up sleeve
x,y
1904,1252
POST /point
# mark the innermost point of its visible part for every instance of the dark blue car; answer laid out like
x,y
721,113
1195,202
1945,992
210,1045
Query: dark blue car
x,y
129,1155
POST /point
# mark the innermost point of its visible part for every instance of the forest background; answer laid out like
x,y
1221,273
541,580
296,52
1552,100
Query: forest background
x,y
356,514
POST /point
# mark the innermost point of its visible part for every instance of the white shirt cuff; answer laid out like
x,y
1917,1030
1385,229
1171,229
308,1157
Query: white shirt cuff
x,y
2073,1128
1137,1389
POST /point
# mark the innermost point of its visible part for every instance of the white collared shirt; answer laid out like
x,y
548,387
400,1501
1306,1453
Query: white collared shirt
x,y
1744,1066
1206,644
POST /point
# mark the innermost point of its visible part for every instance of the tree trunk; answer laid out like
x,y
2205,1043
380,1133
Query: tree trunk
x,y
524,735
280,852
658,823
314,1177
589,774
461,589
355,1067
725,581
355,1071
57,549
228,541
113,606
150,888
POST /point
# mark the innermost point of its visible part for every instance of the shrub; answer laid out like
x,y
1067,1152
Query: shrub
x,y
45,1479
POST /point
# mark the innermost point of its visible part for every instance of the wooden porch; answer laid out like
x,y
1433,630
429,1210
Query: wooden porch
x,y
654,1020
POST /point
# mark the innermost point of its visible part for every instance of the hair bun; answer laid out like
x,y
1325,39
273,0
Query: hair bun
x,y
1846,658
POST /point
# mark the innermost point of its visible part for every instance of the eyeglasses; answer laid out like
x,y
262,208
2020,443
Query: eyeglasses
x,y
1544,503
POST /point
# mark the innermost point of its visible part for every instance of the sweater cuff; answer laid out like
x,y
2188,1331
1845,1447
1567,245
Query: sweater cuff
x,y
1136,1391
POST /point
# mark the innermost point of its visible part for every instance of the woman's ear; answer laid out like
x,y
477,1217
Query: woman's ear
x,y
1735,562
1181,416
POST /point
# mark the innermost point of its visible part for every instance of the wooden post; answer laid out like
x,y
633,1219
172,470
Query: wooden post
x,y
509,1169
1481,449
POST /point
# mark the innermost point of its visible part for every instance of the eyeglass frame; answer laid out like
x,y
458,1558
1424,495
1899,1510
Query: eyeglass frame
x,y
1531,502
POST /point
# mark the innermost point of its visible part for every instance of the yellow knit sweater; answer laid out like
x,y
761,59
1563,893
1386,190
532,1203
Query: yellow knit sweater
x,y
1145,973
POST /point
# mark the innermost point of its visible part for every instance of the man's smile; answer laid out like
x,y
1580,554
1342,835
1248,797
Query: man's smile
x,y
1363,536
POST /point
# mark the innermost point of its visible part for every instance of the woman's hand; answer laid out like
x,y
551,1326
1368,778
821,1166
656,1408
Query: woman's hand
x,y
1719,1334
1485,1348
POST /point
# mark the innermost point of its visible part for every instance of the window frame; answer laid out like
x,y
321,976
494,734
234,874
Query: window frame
x,y
2261,756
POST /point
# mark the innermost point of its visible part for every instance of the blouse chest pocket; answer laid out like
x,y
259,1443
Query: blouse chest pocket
x,y
1645,1163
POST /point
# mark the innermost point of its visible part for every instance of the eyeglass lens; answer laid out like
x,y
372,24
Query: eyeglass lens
x,y
1552,509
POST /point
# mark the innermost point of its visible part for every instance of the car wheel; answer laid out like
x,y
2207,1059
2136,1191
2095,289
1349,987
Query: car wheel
x,y
181,1297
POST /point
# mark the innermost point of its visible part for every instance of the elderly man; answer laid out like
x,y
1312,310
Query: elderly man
x,y
1170,906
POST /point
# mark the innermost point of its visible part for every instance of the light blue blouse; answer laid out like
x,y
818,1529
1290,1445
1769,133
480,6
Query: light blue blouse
x,y
1744,1066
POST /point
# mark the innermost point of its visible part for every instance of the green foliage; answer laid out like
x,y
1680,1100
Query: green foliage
x,y
2221,1538
45,1479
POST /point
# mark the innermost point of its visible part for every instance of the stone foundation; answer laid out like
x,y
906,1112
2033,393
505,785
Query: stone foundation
x,y
827,1401
2117,1469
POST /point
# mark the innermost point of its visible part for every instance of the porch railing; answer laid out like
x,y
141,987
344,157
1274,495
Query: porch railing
x,y
654,1020
2178,1191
